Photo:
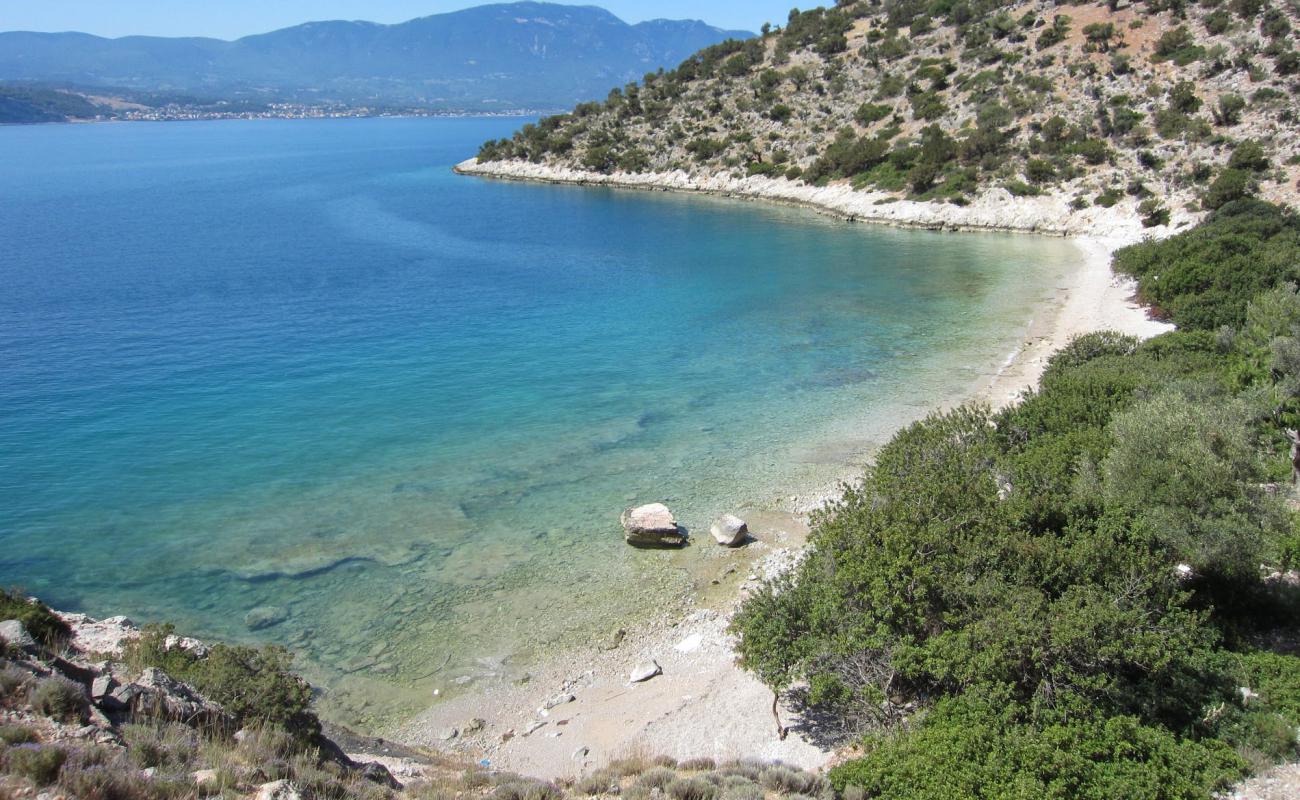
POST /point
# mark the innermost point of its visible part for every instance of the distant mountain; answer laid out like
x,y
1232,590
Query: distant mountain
x,y
526,54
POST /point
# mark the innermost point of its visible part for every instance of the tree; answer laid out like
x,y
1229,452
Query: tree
x,y
1186,464
1102,36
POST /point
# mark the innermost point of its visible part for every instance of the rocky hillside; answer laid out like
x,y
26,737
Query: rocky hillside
x,y
104,710
1167,107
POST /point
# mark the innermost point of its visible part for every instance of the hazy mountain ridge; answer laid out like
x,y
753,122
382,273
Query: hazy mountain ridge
x,y
509,55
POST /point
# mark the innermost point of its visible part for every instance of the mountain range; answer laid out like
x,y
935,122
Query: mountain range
x,y
493,57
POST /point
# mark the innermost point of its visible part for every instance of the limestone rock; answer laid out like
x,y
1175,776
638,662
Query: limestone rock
x,y
205,777
157,694
264,617
558,700
652,526
646,671
729,530
13,632
277,790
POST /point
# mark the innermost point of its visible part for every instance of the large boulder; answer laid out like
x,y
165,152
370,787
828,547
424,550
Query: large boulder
x,y
652,526
157,695
729,530
13,633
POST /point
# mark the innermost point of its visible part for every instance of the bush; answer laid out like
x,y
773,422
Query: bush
x,y
1153,213
11,734
1179,46
1188,466
1248,156
254,685
168,747
1204,279
657,777
1231,185
42,623
61,699
691,789
527,790
974,747
38,764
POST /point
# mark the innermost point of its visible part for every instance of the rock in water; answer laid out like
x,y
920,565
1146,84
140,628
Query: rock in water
x,y
652,526
729,530
265,617
646,671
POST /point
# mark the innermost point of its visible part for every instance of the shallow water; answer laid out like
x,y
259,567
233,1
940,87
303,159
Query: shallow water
x,y
303,365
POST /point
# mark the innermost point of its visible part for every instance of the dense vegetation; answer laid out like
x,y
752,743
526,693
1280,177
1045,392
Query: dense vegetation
x,y
1065,598
26,104
939,99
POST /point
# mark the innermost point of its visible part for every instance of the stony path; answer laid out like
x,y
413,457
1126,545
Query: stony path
x,y
1279,783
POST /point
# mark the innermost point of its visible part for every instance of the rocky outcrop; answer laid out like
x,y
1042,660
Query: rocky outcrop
x,y
729,530
652,525
994,209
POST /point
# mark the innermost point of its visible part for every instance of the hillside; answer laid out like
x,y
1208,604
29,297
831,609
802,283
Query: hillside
x,y
29,104
535,55
1164,108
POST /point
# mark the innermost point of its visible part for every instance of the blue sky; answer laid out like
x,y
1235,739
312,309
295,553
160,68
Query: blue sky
x,y
229,19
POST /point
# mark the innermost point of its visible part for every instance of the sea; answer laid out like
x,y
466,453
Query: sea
x,y
295,382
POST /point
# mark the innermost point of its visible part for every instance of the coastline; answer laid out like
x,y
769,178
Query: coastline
x,y
578,710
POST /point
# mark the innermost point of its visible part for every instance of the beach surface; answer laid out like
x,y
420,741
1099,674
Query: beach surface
x,y
580,709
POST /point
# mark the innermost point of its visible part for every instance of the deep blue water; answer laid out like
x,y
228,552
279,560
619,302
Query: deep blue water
x,y
303,364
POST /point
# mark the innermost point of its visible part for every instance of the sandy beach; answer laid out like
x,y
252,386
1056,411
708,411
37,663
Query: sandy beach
x,y
580,709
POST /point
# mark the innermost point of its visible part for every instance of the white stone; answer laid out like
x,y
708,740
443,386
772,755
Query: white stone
x,y
729,530
646,671
277,790
652,525
690,644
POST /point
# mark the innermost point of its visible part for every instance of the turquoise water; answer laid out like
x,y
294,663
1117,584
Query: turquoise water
x,y
303,365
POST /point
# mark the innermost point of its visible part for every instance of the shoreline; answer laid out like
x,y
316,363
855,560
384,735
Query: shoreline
x,y
995,210
579,709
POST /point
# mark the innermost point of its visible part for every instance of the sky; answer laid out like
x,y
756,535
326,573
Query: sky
x,y
230,19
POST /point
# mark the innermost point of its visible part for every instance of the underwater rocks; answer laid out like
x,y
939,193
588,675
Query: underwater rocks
x,y
652,526
264,617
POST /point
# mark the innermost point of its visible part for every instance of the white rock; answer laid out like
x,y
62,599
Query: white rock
x,y
651,525
646,671
13,632
558,700
690,644
729,530
205,776
533,728
277,790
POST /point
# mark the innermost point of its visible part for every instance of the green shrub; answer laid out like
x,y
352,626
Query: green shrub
x,y
1153,213
1179,46
254,685
1249,156
691,789
42,623
970,747
1231,185
527,790
869,113
1204,278
38,764
657,777
12,733
61,699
